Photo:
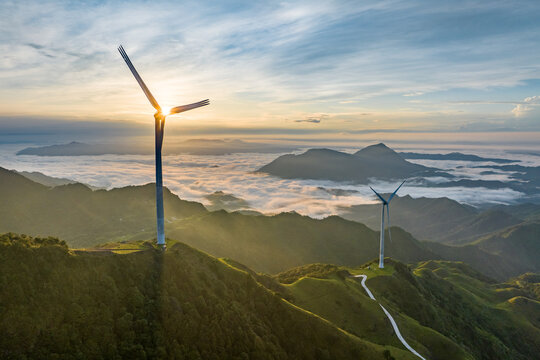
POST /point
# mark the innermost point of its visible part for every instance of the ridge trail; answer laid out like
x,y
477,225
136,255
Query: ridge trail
x,y
392,321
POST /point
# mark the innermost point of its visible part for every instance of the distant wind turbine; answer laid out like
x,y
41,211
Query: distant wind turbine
x,y
160,125
385,204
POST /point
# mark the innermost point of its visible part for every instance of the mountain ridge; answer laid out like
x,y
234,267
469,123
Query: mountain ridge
x,y
85,218
327,164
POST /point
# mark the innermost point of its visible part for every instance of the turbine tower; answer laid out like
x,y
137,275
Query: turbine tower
x,y
159,127
385,204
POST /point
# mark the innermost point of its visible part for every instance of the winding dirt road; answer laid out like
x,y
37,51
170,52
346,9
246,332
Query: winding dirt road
x,y
392,321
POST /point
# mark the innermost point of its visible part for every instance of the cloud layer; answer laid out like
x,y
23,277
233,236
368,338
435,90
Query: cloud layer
x,y
195,177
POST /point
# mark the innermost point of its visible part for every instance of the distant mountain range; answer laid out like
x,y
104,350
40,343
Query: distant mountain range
x,y
85,218
453,156
382,163
375,161
191,146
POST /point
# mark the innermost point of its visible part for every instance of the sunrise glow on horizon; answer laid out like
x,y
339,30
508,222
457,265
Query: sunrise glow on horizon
x,y
287,68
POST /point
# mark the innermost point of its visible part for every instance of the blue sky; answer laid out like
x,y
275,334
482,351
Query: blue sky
x,y
340,67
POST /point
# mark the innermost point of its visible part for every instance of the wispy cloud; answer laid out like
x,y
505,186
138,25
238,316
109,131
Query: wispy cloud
x,y
259,61
529,106
309,120
416,93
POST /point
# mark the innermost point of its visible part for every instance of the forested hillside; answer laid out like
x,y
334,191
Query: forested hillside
x,y
181,304
184,304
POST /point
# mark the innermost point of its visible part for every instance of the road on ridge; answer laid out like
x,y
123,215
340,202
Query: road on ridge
x,y
392,321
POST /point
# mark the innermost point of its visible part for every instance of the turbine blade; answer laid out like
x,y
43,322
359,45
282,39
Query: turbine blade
x,y
394,193
183,108
139,79
379,196
388,216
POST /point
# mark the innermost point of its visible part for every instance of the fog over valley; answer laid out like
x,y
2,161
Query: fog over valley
x,y
195,177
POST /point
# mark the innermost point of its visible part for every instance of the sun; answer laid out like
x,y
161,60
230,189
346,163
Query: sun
x,y
166,110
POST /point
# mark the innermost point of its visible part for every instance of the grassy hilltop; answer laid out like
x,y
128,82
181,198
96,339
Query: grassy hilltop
x,y
182,304
60,303
445,310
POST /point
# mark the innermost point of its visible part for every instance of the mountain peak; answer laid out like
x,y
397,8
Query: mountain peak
x,y
379,149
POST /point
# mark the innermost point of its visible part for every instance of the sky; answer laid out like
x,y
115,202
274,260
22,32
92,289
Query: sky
x,y
302,69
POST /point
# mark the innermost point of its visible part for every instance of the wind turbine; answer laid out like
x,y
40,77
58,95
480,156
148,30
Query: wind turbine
x,y
385,204
159,126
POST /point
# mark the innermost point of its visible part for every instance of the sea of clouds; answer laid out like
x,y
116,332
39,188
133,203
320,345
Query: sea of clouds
x,y
193,177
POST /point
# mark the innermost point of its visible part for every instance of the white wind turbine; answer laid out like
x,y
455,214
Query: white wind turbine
x,y
385,204
160,125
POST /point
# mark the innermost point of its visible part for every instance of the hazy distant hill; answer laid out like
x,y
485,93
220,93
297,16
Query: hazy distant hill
x,y
49,181
375,161
434,219
482,224
191,146
519,243
182,304
517,246
525,211
222,201
44,179
77,149
453,156
525,178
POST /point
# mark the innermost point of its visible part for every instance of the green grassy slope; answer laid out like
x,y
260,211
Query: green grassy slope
x,y
463,305
343,301
180,304
444,310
